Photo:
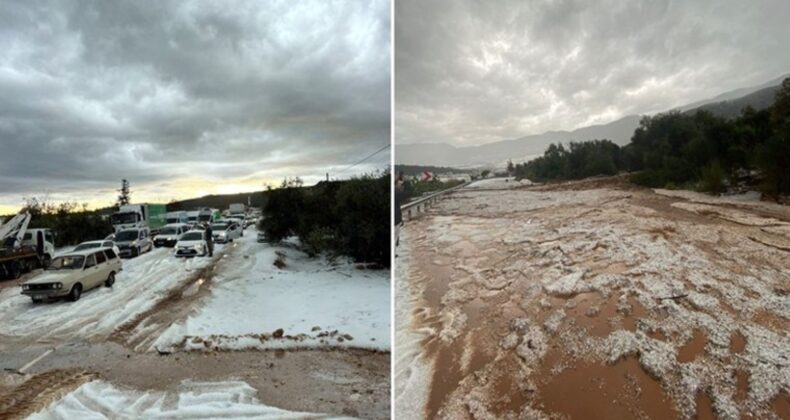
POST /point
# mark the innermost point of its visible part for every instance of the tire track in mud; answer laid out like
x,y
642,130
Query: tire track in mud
x,y
41,390
140,332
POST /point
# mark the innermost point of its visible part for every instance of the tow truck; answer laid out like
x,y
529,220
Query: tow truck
x,y
23,249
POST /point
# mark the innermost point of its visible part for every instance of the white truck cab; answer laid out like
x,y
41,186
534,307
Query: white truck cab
x,y
32,237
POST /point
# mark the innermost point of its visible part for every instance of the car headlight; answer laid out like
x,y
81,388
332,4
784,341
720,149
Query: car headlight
x,y
58,285
25,287
198,247
134,243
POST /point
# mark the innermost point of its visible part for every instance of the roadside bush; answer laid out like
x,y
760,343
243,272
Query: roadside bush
x,y
350,218
282,210
713,178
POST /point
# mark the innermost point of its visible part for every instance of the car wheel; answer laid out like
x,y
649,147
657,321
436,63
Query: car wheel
x,y
75,293
136,252
110,280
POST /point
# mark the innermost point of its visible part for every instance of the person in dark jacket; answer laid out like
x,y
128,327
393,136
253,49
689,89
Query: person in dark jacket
x,y
209,239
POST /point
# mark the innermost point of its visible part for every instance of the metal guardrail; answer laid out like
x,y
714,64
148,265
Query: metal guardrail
x,y
412,209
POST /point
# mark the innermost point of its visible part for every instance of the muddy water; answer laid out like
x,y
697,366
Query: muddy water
x,y
590,390
476,349
704,407
471,363
737,343
692,349
781,405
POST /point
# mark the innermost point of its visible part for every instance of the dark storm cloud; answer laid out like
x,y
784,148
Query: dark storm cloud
x,y
94,91
470,72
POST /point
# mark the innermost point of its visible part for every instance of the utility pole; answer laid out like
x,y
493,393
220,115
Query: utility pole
x,y
123,197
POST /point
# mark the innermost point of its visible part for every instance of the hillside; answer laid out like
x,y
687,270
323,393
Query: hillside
x,y
497,153
223,201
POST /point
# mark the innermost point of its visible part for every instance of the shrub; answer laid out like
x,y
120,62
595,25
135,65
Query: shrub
x,y
713,178
350,218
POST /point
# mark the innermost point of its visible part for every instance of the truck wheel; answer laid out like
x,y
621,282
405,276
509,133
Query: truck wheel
x,y
75,293
46,260
14,270
110,280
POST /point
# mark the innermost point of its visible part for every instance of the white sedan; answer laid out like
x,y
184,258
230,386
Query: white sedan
x,y
97,244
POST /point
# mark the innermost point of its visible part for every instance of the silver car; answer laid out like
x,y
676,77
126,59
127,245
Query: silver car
x,y
133,242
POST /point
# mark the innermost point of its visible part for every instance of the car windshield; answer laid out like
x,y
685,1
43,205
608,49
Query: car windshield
x,y
192,218
219,226
123,218
126,235
168,231
192,236
87,245
67,262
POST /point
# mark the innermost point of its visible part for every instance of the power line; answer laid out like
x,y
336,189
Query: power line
x,y
367,157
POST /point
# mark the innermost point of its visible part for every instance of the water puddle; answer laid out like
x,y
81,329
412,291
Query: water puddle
x,y
592,312
780,405
737,342
693,348
637,312
591,390
510,398
704,407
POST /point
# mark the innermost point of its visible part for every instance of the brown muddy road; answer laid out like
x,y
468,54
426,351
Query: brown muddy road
x,y
595,299
337,382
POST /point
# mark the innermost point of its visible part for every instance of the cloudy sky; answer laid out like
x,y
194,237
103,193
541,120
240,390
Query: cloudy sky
x,y
188,98
471,71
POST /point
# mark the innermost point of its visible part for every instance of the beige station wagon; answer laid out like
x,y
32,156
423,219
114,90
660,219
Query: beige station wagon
x,y
73,273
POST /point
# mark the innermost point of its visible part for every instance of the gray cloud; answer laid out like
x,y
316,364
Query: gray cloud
x,y
471,72
93,91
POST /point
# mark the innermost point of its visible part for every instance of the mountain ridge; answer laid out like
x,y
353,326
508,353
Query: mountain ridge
x,y
727,104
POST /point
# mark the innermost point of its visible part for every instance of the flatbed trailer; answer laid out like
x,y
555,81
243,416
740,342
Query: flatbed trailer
x,y
15,262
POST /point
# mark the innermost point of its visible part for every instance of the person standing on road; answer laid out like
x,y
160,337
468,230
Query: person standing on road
x,y
209,239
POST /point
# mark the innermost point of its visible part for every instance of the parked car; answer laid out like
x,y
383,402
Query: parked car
x,y
72,274
225,232
169,234
133,242
262,237
192,244
97,244
239,222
